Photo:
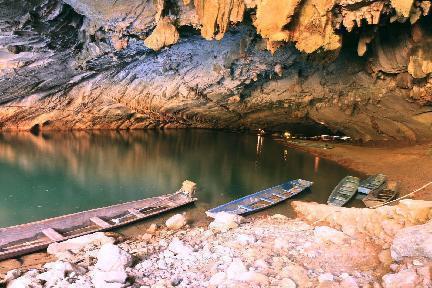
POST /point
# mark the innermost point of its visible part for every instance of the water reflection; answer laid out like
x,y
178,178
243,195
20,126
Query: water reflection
x,y
52,174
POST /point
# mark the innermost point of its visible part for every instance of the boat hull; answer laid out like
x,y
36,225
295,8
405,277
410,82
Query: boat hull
x,y
344,191
263,199
26,238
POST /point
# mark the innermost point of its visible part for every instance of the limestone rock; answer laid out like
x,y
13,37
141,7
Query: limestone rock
x,y
224,221
111,258
176,222
165,34
415,241
380,224
178,247
235,269
75,244
402,279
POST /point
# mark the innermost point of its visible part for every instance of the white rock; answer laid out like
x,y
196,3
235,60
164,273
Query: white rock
x,y
414,241
102,278
112,258
287,283
251,276
224,221
11,275
325,277
261,263
176,222
403,279
78,243
178,247
246,239
279,217
235,268
217,279
28,280
417,263
327,234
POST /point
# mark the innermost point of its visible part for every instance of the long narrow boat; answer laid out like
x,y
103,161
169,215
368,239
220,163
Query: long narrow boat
x,y
379,197
27,238
263,199
344,191
374,182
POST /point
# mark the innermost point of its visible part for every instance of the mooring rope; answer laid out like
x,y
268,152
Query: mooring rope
x,y
380,205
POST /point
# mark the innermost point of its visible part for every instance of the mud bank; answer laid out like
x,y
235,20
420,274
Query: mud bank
x,y
410,165
386,247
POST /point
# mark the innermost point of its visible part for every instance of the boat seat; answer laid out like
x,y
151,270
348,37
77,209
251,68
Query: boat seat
x,y
53,234
278,195
267,200
99,222
245,208
136,213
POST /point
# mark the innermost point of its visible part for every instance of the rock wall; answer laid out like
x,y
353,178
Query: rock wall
x,y
358,67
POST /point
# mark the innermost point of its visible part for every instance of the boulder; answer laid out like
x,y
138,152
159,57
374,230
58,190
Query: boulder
x,y
287,283
28,280
415,241
111,258
76,244
103,279
252,277
176,222
178,247
403,279
224,221
235,268
217,279
327,234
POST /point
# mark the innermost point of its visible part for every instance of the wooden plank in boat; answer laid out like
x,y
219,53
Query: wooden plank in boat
x,y
136,213
99,222
53,234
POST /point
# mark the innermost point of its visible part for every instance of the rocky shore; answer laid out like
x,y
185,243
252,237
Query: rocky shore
x,y
324,247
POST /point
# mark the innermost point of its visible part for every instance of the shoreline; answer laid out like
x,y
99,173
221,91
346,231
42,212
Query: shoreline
x,y
350,247
357,158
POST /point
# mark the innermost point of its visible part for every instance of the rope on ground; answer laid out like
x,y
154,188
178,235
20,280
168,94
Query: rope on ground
x,y
380,205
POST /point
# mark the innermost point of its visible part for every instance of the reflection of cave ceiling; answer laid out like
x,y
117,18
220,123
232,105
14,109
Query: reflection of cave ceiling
x,y
358,66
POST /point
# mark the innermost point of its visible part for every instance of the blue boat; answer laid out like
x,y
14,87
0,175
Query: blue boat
x,y
263,199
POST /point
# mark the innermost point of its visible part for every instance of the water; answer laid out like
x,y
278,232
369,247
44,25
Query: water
x,y
58,173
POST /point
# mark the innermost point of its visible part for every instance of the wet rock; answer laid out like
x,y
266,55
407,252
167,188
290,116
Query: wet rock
x,y
62,248
224,221
152,229
176,222
402,279
415,241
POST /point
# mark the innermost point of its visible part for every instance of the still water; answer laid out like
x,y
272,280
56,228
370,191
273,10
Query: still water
x,y
57,173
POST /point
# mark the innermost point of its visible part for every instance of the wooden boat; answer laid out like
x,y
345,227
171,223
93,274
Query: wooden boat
x,y
379,197
374,182
344,191
27,238
263,199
